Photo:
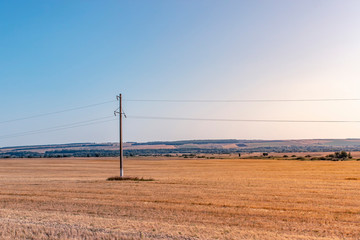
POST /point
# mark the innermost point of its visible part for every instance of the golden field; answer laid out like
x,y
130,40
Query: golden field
x,y
189,199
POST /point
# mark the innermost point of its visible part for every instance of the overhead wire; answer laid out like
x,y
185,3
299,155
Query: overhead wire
x,y
101,120
180,101
55,112
242,120
241,100
97,121
60,127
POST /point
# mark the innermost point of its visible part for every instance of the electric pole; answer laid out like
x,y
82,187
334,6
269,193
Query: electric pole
x,y
120,112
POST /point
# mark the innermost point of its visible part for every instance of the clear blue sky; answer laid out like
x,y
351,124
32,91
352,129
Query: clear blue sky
x,y
56,55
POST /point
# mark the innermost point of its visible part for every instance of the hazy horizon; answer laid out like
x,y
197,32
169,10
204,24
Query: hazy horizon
x,y
116,142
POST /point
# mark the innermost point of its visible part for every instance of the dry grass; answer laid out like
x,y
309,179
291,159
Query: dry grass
x,y
190,199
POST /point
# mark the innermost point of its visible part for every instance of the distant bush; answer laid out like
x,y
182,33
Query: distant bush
x,y
351,178
285,156
129,179
339,156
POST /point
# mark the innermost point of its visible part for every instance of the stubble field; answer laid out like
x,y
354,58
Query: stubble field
x,y
189,199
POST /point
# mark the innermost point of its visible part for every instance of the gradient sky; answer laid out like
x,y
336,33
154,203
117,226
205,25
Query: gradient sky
x,y
57,55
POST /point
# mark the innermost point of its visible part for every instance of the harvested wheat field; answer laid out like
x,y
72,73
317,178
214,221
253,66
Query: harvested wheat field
x,y
188,199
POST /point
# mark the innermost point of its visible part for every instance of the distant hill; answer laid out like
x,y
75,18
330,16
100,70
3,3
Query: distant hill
x,y
220,146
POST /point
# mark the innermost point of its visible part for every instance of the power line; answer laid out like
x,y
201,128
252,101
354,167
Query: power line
x,y
100,120
242,100
60,127
181,101
97,121
75,124
20,135
56,112
242,120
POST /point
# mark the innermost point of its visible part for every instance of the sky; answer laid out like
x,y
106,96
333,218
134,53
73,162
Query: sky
x,y
61,55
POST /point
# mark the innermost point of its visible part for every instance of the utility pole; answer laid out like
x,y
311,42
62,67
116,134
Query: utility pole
x,y
120,112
